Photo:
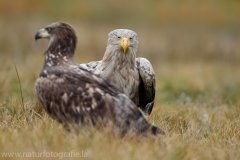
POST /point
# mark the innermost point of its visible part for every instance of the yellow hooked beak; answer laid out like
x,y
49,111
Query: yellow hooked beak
x,y
42,33
124,42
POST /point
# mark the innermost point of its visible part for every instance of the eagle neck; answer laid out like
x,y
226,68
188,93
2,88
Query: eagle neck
x,y
59,52
116,61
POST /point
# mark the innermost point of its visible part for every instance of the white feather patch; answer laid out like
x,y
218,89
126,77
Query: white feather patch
x,y
78,109
49,64
65,97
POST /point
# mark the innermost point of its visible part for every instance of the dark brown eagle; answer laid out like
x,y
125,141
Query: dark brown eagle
x,y
74,96
133,76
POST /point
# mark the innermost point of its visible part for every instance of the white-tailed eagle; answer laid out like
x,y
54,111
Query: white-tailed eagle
x,y
133,76
74,96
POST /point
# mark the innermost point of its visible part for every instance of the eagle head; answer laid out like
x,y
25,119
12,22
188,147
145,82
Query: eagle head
x,y
123,39
59,33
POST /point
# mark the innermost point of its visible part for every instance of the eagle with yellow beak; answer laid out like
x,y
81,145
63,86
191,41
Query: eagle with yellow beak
x,y
133,76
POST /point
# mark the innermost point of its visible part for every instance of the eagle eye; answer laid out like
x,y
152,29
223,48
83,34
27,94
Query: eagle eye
x,y
130,38
118,37
48,29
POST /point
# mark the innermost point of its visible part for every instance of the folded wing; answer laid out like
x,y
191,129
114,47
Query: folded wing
x,y
83,98
147,87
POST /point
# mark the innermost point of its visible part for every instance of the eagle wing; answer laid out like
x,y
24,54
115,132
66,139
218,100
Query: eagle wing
x,y
84,98
147,87
72,98
92,66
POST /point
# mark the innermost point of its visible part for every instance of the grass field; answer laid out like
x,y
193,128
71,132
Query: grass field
x,y
194,49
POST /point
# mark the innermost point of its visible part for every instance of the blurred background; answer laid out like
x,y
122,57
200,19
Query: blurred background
x,y
194,46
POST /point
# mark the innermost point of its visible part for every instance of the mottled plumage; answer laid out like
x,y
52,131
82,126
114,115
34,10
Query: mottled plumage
x,y
74,96
133,76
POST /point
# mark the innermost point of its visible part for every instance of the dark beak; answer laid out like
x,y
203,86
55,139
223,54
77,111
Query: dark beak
x,y
37,36
42,33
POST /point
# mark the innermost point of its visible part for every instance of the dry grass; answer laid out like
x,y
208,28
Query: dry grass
x,y
195,106
195,57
